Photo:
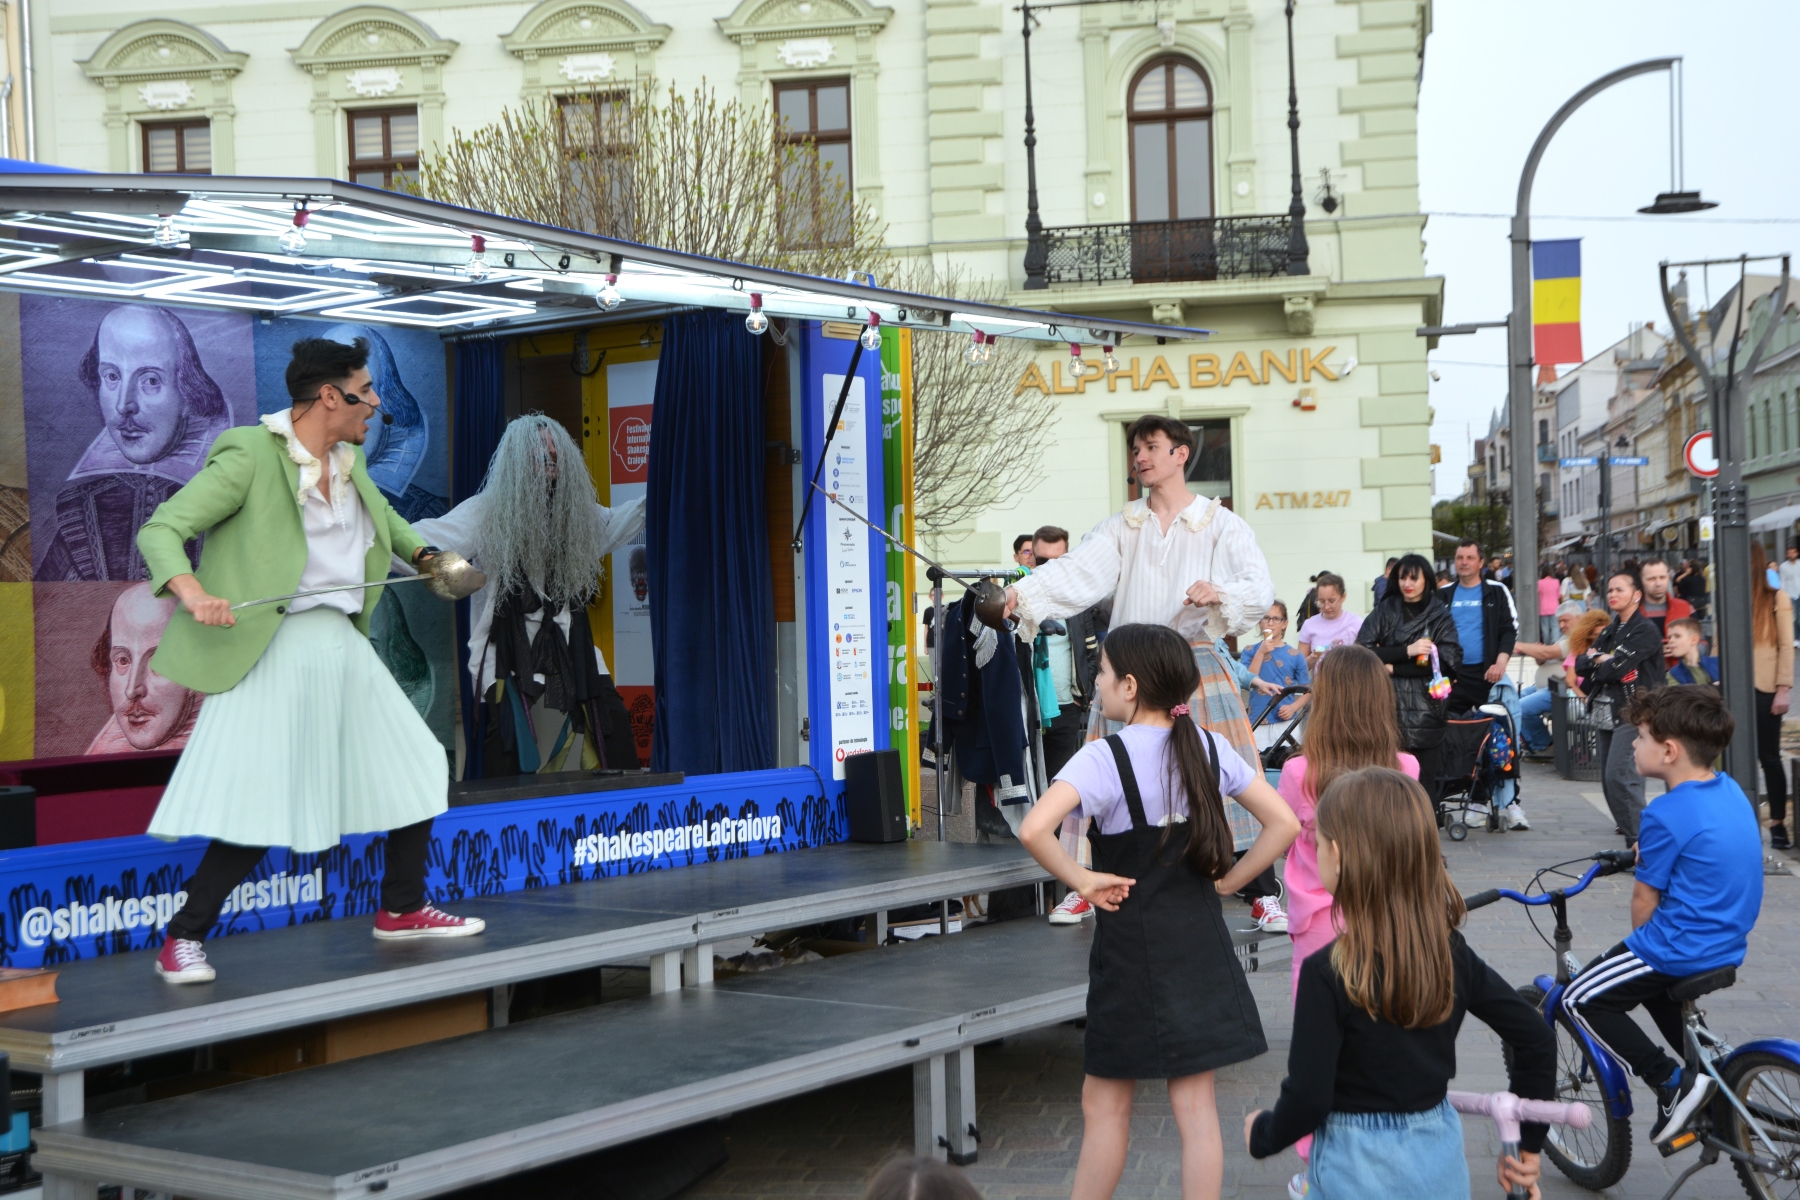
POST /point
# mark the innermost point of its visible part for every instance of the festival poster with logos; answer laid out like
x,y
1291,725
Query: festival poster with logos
x,y
896,474
630,391
851,650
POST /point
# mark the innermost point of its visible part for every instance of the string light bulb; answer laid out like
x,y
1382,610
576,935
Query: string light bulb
x,y
293,238
167,233
1077,368
757,322
477,267
1110,363
978,348
609,296
987,347
871,334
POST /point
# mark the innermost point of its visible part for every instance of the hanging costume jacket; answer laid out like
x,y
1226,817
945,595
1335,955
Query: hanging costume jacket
x,y
558,669
982,706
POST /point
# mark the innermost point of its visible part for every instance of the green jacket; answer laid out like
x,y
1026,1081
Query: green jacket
x,y
243,500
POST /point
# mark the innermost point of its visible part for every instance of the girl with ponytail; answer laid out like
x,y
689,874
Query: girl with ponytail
x,y
1166,996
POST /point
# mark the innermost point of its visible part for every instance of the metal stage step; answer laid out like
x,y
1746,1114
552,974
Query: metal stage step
x,y
116,1008
436,1117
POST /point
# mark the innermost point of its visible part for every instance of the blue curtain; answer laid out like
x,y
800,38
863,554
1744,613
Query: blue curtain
x,y
480,419
711,610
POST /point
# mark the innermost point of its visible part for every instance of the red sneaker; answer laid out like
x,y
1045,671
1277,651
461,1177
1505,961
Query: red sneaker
x,y
182,961
426,922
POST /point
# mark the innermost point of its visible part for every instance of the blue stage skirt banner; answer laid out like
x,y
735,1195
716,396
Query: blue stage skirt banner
x,y
84,899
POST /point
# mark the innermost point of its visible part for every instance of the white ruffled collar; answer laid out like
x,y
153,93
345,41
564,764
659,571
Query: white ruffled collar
x,y
1196,516
343,458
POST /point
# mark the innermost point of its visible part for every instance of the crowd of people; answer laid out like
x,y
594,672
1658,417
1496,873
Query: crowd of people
x,y
1207,732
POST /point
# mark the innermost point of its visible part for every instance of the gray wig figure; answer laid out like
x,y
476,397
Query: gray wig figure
x,y
540,524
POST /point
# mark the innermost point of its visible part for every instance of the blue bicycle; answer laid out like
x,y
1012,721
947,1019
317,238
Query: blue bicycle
x,y
1754,1117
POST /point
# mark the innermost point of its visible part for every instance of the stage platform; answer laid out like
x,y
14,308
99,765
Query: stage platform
x,y
116,1008
437,1117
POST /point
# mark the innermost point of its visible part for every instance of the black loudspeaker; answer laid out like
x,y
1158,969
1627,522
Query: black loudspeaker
x,y
875,797
18,817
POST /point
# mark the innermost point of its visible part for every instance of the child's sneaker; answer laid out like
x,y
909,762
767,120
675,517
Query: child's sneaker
x,y
1677,1101
1298,1187
182,961
1268,915
1513,817
1072,911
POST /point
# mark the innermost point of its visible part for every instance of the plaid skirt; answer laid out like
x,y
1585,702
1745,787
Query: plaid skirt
x,y
1216,705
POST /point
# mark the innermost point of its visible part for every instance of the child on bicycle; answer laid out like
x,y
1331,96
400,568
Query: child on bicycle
x,y
1352,726
1698,892
1166,996
1378,1012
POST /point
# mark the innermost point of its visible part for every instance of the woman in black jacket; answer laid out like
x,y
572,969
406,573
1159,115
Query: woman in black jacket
x,y
1626,658
1407,623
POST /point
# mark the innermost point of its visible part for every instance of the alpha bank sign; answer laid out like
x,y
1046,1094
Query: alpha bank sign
x,y
1139,373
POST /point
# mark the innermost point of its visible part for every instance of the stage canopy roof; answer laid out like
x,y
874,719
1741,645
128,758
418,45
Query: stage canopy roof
x,y
380,257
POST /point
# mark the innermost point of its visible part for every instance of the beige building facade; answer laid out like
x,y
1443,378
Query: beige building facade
x,y
1163,173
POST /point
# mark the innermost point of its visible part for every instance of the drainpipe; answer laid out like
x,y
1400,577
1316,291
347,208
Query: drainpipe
x,y
5,117
30,90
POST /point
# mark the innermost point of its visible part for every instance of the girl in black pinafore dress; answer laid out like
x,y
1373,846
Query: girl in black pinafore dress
x,y
1166,997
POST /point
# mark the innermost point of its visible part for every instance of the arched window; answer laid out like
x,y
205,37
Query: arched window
x,y
1170,118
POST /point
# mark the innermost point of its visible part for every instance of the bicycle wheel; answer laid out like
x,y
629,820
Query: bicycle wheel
x,y
1769,1086
1595,1157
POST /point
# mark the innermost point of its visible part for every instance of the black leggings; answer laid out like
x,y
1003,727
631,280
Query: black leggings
x,y
1768,753
225,865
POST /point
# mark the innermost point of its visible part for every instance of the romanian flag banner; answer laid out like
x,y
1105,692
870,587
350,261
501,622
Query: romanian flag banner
x,y
1556,301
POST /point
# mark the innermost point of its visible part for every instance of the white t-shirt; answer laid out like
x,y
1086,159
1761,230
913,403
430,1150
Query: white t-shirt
x,y
1095,777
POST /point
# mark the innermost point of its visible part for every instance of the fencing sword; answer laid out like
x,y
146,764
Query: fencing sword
x,y
451,578
989,594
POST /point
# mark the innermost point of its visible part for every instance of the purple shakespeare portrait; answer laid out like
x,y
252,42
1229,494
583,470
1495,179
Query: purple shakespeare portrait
x,y
122,403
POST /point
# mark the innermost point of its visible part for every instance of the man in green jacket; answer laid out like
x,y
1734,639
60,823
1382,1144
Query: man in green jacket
x,y
305,736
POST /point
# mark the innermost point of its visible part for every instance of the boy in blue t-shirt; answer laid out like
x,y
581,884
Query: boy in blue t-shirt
x,y
1698,892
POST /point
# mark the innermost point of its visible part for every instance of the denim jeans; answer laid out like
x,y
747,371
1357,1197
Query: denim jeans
x,y
1534,717
1384,1156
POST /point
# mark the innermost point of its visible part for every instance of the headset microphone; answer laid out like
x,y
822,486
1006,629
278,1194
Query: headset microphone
x,y
386,418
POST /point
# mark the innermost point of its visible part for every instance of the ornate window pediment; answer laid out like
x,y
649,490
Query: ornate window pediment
x,y
779,20
151,51
364,39
578,45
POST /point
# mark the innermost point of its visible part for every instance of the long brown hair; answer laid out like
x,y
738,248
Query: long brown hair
x,y
1394,901
1162,663
1587,627
1352,723
1762,598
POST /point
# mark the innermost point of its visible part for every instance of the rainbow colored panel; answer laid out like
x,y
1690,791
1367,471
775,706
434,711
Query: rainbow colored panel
x,y
1556,301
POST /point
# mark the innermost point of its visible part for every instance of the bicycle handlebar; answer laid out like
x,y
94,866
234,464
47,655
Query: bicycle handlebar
x,y
1606,862
1507,1111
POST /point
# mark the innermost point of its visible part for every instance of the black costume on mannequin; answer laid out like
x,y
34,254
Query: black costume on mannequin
x,y
558,670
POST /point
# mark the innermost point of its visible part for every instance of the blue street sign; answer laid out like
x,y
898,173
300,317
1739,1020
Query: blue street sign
x,y
1629,461
1589,461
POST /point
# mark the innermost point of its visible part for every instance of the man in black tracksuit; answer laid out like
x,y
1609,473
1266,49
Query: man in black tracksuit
x,y
1487,623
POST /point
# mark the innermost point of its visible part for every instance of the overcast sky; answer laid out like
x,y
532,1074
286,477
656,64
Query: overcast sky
x,y
1494,73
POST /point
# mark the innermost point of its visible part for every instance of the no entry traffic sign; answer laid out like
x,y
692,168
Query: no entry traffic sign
x,y
1698,455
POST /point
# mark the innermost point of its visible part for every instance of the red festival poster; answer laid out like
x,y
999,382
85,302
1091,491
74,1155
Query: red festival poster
x,y
629,390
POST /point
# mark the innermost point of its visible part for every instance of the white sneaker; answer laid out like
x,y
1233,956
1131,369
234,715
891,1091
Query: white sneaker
x,y
1513,817
1268,915
1072,911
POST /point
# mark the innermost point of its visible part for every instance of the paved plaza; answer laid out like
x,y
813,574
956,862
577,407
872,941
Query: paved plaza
x,y
828,1143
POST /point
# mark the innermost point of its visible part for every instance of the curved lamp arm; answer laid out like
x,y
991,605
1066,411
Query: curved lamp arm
x,y
1523,209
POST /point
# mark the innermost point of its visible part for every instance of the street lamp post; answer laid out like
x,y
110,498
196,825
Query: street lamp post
x,y
1732,625
1037,254
1519,363
1297,247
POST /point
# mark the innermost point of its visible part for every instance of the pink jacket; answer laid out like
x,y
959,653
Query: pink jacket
x,y
1307,899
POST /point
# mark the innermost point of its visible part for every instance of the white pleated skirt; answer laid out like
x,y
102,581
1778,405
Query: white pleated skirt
x,y
316,742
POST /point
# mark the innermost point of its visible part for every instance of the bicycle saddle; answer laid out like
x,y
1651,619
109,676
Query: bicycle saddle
x,y
1696,986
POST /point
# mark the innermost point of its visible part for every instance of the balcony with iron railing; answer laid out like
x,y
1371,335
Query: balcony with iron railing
x,y
1168,251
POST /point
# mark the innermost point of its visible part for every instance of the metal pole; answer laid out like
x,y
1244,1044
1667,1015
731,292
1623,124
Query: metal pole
x,y
1605,519
1037,254
1297,247
1519,389
1732,630
937,689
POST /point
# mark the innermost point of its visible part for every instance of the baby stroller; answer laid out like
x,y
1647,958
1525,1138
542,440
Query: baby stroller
x,y
1478,755
1288,743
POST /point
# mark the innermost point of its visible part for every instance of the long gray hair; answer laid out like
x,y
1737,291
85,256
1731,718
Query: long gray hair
x,y
540,526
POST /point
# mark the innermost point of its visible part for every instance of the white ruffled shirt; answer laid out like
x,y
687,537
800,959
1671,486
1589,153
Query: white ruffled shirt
x,y
339,531
1147,573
